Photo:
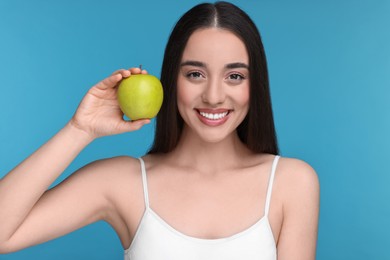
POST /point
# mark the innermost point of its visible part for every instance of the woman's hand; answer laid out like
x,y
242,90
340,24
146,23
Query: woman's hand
x,y
99,113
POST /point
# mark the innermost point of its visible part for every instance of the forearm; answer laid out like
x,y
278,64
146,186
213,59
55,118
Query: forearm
x,y
22,187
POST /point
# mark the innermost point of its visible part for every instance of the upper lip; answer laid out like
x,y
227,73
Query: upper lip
x,y
213,110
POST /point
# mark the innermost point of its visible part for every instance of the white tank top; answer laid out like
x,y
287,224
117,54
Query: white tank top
x,y
156,239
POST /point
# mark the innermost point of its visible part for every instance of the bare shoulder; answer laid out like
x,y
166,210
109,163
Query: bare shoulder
x,y
111,174
297,173
116,165
297,180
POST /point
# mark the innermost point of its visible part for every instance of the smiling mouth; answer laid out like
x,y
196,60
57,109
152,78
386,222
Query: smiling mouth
x,y
214,115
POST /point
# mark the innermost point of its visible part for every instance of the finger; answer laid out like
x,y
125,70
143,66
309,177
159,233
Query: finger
x,y
135,70
109,82
129,126
138,71
123,72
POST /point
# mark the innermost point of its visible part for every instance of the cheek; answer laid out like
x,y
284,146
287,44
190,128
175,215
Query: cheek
x,y
242,96
182,96
185,96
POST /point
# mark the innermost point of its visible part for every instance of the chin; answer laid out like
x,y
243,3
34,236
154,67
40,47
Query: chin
x,y
214,137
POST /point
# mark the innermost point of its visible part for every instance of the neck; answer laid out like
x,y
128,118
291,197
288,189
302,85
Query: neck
x,y
210,157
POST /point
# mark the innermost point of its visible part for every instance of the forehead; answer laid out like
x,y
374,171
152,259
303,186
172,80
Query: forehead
x,y
214,45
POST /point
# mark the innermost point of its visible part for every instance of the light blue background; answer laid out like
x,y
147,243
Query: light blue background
x,y
329,64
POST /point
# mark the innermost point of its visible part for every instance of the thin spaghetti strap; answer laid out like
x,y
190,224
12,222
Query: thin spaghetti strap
x,y
270,184
144,182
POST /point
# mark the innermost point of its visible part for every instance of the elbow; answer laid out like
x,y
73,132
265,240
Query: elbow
x,y
6,248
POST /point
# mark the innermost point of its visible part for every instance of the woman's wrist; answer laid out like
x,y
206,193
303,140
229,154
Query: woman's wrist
x,y
76,134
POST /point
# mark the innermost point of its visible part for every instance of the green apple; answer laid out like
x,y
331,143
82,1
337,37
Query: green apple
x,y
140,96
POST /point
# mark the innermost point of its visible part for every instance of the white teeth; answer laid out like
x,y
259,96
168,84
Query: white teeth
x,y
213,116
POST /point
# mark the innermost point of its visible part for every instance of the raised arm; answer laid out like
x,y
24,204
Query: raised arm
x,y
24,199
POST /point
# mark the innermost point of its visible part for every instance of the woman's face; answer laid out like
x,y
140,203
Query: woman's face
x,y
213,84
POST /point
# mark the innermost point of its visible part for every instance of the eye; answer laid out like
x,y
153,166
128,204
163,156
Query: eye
x,y
194,74
235,78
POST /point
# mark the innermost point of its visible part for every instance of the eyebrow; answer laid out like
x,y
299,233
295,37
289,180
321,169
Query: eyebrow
x,y
233,65
236,65
193,63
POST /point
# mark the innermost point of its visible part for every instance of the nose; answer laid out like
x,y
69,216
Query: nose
x,y
214,93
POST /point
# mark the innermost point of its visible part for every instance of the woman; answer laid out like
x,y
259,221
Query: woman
x,y
212,185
